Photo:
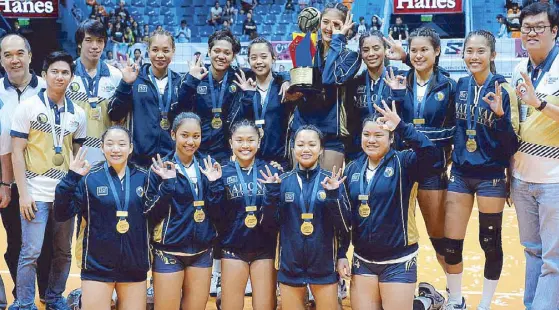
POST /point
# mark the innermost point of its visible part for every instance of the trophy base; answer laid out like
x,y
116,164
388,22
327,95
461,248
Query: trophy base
x,y
305,80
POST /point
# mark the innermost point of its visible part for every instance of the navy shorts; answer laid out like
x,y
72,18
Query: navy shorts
x,y
434,182
247,257
405,272
485,188
113,276
168,263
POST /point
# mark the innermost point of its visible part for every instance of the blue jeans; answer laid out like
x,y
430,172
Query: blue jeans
x,y
537,208
33,233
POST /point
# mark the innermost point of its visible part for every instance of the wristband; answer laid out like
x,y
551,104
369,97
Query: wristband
x,y
542,105
9,185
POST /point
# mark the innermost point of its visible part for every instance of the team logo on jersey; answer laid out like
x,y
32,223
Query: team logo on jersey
x,y
463,95
102,191
232,179
321,195
552,80
440,96
451,179
412,262
361,89
140,191
388,172
42,118
142,88
232,88
355,177
73,125
109,88
202,90
289,197
74,87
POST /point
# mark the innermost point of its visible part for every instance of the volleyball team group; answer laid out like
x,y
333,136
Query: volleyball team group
x,y
230,169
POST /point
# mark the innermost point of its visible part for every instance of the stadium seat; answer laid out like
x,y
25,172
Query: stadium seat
x,y
277,37
285,19
150,11
201,11
280,30
198,3
265,30
169,20
153,20
260,10
166,11
206,31
270,19
258,19
137,3
199,20
237,30
167,3
275,9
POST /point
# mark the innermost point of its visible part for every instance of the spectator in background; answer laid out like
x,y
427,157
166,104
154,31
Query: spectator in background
x,y
400,30
136,31
111,18
119,21
122,12
110,60
110,30
376,23
215,14
159,28
303,4
281,68
249,26
513,18
183,34
503,29
289,5
362,28
246,6
138,59
145,39
146,31
230,12
16,29
128,36
118,34
226,25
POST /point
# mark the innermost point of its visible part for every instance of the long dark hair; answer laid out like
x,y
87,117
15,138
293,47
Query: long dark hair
x,y
490,38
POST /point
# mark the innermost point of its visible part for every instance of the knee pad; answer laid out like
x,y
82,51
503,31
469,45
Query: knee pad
x,y
438,245
453,251
490,227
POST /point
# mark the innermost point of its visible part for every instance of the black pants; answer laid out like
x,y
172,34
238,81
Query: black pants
x,y
12,223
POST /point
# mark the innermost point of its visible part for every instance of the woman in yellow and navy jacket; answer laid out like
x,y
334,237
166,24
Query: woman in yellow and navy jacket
x,y
309,207
381,187
181,195
484,142
112,246
248,250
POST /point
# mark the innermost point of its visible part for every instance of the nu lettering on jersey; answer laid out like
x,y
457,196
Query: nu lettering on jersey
x,y
485,117
235,190
360,100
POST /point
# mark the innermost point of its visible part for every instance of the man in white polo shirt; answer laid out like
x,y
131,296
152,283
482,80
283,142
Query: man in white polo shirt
x,y
535,168
45,129
17,85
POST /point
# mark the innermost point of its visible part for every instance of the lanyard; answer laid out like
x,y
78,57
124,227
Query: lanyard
x,y
471,122
379,91
198,196
313,195
215,104
255,104
543,67
90,89
419,106
249,201
362,191
119,206
163,106
56,141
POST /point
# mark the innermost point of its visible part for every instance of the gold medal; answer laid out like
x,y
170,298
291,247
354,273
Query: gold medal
x,y
419,121
122,226
217,123
261,131
307,228
199,216
58,159
471,145
165,124
364,210
251,221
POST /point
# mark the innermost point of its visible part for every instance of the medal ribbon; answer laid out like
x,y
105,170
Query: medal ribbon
x,y
379,91
90,89
256,103
362,181
164,106
197,196
57,143
119,206
471,122
313,196
217,104
249,200
543,67
419,106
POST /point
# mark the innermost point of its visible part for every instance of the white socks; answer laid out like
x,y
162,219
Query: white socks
x,y
489,287
216,269
454,282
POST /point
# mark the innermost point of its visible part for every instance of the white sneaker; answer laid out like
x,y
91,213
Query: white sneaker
x,y
213,283
451,305
482,308
248,289
342,289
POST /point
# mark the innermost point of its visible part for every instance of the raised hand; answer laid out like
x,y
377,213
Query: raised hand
x,y
165,170
395,49
130,72
268,177
333,182
197,70
276,165
243,83
495,100
390,118
526,92
345,27
212,172
395,82
79,164
283,90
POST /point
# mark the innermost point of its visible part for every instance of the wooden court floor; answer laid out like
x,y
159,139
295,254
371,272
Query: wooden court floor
x,y
509,292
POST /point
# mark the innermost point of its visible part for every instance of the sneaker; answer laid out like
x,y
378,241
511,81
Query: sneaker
x,y
451,305
427,290
342,289
311,297
213,283
218,294
248,289
149,294
59,304
482,308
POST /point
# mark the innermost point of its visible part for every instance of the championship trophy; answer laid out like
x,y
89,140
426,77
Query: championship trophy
x,y
305,77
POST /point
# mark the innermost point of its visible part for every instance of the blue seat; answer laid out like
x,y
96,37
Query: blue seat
x,y
137,3
258,19
277,37
169,20
275,9
153,20
167,3
201,11
150,11
166,11
285,19
280,29
199,20
206,31
265,30
270,19
198,3
237,30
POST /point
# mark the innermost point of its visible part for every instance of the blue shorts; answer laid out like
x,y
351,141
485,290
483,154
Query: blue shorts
x,y
405,272
114,276
434,182
485,188
168,263
247,257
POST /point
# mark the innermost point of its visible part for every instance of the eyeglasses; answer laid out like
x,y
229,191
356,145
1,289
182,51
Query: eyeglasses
x,y
536,29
